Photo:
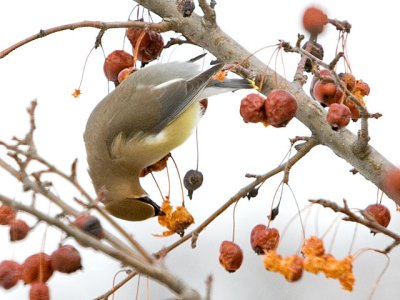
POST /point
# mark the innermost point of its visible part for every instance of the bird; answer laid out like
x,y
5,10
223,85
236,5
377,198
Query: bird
x,y
142,120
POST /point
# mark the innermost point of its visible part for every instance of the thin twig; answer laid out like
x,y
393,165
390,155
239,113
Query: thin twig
x,y
159,27
352,217
311,143
117,287
209,12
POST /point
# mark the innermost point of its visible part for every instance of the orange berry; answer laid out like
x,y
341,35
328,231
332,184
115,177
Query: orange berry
x,y
7,214
314,20
380,213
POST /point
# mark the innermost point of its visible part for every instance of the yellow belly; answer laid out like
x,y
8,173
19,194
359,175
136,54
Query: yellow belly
x,y
142,151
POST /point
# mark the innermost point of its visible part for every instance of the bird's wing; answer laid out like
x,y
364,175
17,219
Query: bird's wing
x,y
176,96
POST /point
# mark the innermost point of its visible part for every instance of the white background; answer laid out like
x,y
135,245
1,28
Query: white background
x,y
49,70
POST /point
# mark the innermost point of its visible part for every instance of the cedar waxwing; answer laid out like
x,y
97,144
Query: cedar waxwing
x,y
150,113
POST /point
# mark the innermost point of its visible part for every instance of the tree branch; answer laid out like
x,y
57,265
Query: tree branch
x,y
157,272
371,166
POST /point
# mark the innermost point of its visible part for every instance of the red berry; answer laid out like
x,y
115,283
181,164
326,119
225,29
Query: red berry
x,y
10,273
39,291
263,238
252,108
326,91
37,268
7,214
66,259
18,230
314,20
391,184
338,116
379,213
280,107
115,62
230,256
89,224
151,43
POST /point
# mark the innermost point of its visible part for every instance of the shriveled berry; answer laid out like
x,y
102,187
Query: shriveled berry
x,y
66,259
10,273
115,62
156,167
151,43
89,224
263,238
313,246
37,268
39,291
292,268
338,116
252,108
317,50
230,256
349,80
314,20
185,7
391,183
363,87
192,181
18,230
7,214
355,113
380,213
280,107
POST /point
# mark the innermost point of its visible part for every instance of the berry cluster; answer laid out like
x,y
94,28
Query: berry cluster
x,y
324,86
316,260
18,228
38,268
146,46
262,238
277,109
329,94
